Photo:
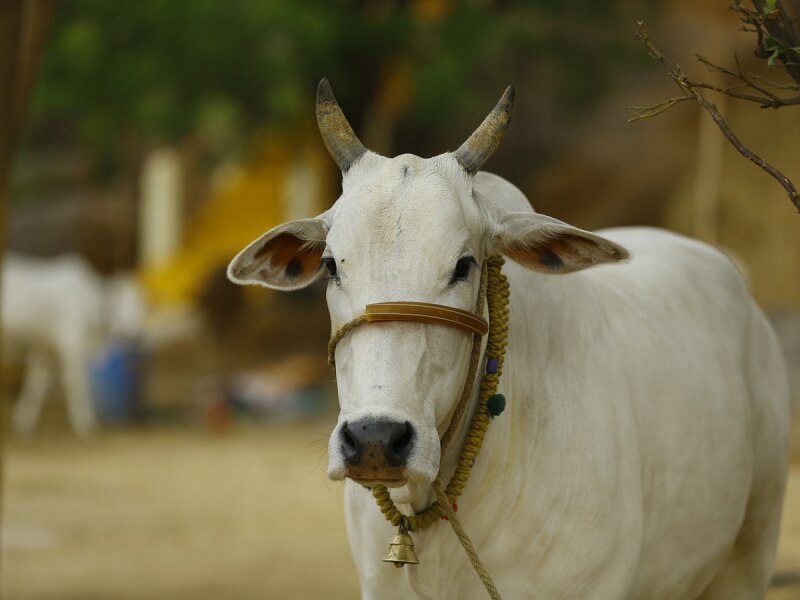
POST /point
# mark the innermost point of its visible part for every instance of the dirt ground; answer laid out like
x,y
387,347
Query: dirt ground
x,y
184,514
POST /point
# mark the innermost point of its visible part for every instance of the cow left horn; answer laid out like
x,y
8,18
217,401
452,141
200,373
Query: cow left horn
x,y
343,145
487,137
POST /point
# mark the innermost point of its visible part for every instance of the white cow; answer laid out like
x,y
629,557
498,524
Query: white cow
x,y
57,313
643,453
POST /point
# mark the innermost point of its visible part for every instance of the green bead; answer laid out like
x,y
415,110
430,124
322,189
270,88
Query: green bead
x,y
495,405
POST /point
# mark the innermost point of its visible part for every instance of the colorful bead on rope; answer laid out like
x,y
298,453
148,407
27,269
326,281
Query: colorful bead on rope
x,y
455,509
495,405
491,366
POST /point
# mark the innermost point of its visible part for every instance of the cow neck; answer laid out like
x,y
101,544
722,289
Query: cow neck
x,y
495,286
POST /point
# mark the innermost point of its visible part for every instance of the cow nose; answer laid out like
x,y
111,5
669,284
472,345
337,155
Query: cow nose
x,y
379,442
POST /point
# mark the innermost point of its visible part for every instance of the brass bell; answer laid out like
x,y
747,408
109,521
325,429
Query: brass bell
x,y
401,550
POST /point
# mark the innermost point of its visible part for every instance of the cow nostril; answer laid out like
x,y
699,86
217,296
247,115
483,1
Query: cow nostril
x,y
401,445
402,442
349,444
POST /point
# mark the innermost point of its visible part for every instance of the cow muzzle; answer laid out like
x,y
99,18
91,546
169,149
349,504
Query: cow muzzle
x,y
376,450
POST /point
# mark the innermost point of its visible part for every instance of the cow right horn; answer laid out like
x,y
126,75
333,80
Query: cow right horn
x,y
487,137
343,145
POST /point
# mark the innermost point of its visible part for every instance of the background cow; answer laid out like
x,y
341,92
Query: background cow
x,y
57,315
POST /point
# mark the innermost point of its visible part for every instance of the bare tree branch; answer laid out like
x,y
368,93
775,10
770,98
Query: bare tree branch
x,y
689,89
645,112
775,84
768,98
778,40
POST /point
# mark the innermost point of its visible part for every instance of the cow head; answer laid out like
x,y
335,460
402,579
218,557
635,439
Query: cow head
x,y
405,229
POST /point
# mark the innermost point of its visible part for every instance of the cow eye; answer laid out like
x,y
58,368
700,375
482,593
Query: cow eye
x,y
461,272
330,264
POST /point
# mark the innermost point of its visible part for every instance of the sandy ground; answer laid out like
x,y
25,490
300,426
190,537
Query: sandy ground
x,y
181,514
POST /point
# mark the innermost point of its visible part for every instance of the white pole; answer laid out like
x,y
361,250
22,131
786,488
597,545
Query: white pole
x,y
161,207
301,191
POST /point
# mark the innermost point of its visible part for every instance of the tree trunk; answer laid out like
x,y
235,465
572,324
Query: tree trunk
x,y
23,30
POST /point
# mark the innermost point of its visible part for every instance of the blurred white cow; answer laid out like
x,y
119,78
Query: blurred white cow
x,y
58,313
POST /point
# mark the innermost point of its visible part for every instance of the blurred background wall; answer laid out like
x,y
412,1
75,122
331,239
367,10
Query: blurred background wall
x,y
228,88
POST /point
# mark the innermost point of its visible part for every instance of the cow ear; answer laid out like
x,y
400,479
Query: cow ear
x,y
547,245
287,257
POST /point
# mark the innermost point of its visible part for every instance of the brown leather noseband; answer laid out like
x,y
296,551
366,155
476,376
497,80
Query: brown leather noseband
x,y
424,312
419,312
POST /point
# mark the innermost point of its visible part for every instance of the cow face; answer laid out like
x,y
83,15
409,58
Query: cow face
x,y
405,229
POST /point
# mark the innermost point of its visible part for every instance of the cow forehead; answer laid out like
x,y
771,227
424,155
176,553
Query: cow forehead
x,y
405,204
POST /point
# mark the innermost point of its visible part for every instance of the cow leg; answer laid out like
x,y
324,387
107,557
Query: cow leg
x,y
746,573
79,402
33,393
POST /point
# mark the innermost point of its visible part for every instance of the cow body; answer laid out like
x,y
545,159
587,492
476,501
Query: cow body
x,y
643,450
